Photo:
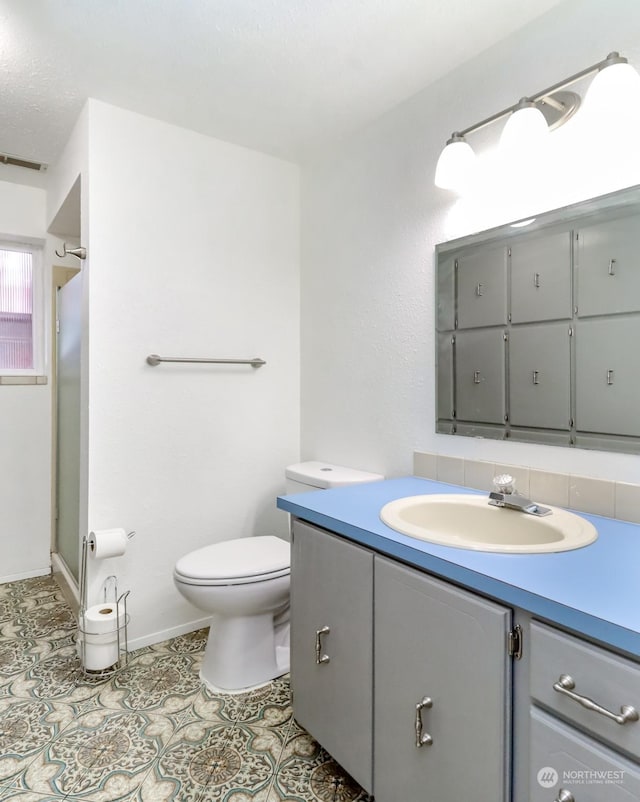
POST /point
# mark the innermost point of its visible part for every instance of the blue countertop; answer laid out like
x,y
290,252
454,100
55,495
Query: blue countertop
x,y
594,590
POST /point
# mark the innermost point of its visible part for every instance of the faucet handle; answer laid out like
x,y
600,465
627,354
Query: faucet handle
x,y
504,483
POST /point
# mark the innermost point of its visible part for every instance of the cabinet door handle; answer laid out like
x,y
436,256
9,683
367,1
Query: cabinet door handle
x,y
479,290
565,686
612,267
321,658
535,377
422,739
477,379
536,280
609,377
564,796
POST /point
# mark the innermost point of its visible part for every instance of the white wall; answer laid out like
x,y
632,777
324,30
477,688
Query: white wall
x,y
193,250
25,431
371,218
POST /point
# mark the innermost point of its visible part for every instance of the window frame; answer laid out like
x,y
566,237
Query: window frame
x,y
36,249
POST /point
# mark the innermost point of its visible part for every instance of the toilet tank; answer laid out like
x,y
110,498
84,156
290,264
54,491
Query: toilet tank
x,y
306,476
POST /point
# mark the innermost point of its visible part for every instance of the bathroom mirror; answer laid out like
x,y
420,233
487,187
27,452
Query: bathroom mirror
x,y
538,328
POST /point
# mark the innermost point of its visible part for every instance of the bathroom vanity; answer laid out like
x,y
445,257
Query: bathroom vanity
x,y
432,672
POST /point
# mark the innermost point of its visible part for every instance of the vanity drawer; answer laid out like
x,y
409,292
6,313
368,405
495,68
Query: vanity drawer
x,y
585,769
601,676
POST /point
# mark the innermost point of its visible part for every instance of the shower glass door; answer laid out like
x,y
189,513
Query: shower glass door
x,y
69,304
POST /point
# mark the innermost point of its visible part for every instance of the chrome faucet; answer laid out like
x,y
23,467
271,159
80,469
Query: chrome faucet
x,y
504,496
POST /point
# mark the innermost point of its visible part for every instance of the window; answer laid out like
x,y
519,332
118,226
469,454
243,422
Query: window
x,y
20,321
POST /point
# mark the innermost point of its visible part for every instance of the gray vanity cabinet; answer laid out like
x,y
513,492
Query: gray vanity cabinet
x,y
608,267
608,375
584,729
331,645
362,661
480,375
585,769
482,287
540,376
541,278
441,673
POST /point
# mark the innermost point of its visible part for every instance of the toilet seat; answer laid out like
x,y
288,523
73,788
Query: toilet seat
x,y
235,562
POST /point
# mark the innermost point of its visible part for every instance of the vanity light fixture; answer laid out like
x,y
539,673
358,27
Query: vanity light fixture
x,y
534,116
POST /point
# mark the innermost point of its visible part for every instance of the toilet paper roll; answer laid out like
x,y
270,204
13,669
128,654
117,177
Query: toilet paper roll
x,y
102,618
98,652
98,636
107,543
99,656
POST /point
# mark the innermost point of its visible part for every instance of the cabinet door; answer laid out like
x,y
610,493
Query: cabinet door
x,y
332,586
608,275
541,278
433,640
563,759
480,375
540,376
607,375
482,288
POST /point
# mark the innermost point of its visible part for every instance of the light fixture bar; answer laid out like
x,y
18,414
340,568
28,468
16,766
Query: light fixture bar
x,y
612,58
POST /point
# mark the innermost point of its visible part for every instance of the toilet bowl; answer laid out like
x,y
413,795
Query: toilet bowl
x,y
244,585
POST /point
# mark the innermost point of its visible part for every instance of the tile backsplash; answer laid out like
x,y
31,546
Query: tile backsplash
x,y
598,496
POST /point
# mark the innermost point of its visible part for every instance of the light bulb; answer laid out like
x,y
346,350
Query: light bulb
x,y
456,165
525,130
614,92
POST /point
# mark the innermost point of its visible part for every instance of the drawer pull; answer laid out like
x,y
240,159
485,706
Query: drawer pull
x,y
564,796
422,739
565,685
321,658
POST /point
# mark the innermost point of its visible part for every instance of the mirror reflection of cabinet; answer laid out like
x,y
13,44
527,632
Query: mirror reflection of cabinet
x,y
480,375
482,288
608,267
608,375
538,329
541,278
540,376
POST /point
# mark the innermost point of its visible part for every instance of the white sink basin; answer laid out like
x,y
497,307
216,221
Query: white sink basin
x,y
469,522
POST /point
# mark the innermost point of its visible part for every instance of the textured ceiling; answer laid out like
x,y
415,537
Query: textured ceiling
x,y
280,76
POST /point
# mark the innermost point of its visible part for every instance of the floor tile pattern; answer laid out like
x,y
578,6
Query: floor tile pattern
x,y
151,732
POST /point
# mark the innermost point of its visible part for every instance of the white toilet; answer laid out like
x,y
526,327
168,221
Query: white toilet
x,y
244,585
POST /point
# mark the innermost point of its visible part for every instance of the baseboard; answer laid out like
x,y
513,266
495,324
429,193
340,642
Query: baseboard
x,y
25,575
167,634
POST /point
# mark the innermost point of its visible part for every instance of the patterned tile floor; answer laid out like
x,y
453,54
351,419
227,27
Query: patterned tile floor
x,y
149,733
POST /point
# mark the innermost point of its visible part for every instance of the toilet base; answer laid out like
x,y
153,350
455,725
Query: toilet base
x,y
244,653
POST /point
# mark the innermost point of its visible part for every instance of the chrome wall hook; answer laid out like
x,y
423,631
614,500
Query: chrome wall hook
x,y
79,252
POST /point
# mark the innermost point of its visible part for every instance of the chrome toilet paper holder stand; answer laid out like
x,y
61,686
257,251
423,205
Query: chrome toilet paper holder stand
x,y
122,618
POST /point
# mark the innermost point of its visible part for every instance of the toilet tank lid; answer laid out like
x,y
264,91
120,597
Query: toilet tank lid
x,y
326,475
